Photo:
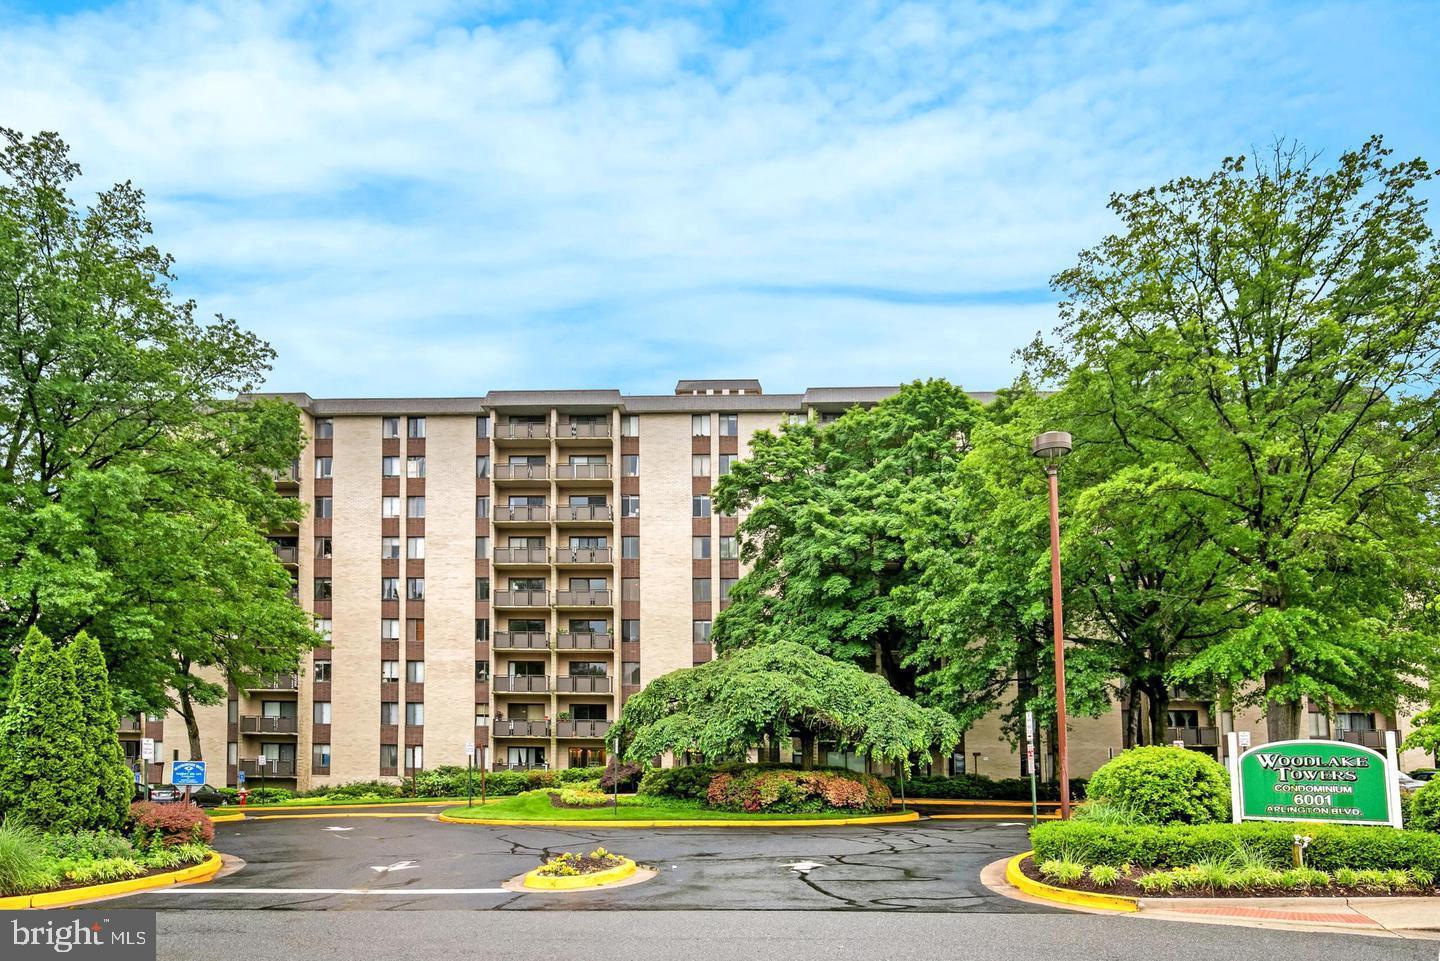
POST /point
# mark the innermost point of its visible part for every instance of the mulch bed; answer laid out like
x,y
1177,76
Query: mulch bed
x,y
72,885
585,864
1126,887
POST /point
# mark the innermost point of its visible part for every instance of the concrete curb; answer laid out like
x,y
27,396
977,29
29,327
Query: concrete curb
x,y
536,881
904,818
1079,899
226,818
203,871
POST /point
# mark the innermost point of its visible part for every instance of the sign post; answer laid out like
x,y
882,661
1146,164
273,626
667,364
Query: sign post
x,y
187,774
1030,765
260,770
483,765
1332,782
470,773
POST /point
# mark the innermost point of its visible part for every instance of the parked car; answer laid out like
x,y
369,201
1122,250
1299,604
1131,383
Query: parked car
x,y
165,793
1425,774
208,796
1408,783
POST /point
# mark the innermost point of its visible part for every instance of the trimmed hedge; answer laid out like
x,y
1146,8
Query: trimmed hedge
x,y
797,792
1332,846
978,787
1164,785
175,823
1422,809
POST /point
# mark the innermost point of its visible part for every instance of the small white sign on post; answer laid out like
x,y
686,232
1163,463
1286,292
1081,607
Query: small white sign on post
x,y
260,761
1243,738
470,750
147,748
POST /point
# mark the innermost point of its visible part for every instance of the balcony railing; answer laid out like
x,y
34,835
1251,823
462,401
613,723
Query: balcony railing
x,y
287,476
520,641
587,428
521,728
1371,739
521,431
287,555
272,768
521,599
582,684
521,555
130,725
1194,736
508,514
583,512
582,728
504,472
520,683
282,681
583,599
585,642
256,724
502,766
583,555
582,471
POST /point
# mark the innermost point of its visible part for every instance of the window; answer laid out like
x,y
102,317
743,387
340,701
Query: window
x,y
482,548
389,507
322,588
700,548
390,427
415,713
389,671
1354,721
482,465
630,673
322,671
414,757
322,627
794,419
415,588
415,467
415,629
389,589
324,506
324,429
700,465
417,427
415,506
323,467
727,462
700,505
630,547
726,583
629,505
729,425
482,718
389,548
415,672
482,426
630,629
482,588
320,755
700,632
389,755
729,547
587,668
232,753
233,711
482,671
482,507
482,629
415,548
390,712
1187,719
629,425
323,549
630,589
321,713
389,467
389,629
700,589
699,425
630,465
588,712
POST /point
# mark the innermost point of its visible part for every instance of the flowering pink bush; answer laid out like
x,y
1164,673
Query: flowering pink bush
x,y
178,823
786,791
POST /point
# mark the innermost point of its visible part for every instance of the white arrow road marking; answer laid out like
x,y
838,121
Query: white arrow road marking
x,y
407,892
805,866
397,866
339,829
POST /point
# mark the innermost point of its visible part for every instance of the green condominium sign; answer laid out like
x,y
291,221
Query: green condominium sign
x,y
1315,781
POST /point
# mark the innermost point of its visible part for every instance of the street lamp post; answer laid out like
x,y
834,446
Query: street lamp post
x,y
1050,447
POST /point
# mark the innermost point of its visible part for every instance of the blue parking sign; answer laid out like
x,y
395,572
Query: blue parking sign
x,y
239,777
187,773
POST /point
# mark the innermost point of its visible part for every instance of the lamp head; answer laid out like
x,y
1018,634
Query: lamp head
x,y
1051,446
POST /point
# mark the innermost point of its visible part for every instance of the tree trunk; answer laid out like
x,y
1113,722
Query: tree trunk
x,y
192,727
1131,736
1159,699
1282,720
807,751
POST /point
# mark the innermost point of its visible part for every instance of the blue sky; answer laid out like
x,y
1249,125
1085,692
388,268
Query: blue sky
x,y
445,198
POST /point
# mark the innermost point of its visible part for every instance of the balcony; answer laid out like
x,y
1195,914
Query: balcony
x,y
1370,739
583,599
522,431
586,428
582,728
521,728
272,768
582,684
520,641
521,599
585,642
1193,736
502,766
289,477
584,555
581,513
520,684
280,681
570,472
289,556
524,514
252,724
130,725
521,555
509,472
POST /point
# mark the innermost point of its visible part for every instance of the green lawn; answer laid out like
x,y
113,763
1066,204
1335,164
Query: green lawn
x,y
535,806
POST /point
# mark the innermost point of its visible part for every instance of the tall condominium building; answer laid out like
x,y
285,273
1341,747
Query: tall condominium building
x,y
503,571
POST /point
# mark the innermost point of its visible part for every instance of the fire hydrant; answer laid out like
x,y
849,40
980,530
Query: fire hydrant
x,y
243,795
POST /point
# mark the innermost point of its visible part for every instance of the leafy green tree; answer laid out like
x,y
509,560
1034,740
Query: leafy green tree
x,y
136,483
43,781
109,784
773,692
1264,341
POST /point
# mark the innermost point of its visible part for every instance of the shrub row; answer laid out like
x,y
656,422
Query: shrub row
x,y
977,787
1332,846
795,792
